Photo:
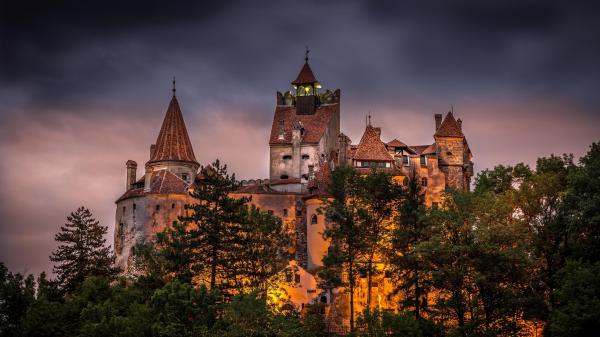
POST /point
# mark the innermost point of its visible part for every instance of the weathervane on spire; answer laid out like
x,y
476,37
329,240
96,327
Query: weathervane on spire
x,y
369,117
174,86
306,54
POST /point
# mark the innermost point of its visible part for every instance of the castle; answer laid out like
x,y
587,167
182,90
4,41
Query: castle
x,y
306,144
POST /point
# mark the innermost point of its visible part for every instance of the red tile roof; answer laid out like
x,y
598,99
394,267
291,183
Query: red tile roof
x,y
418,148
161,182
256,189
431,149
314,125
305,76
285,181
449,127
371,147
173,142
396,143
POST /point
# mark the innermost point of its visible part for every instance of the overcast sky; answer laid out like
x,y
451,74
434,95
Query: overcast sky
x,y
84,86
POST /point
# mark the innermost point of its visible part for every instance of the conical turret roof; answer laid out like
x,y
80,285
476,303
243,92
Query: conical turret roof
x,y
173,142
371,147
305,75
449,127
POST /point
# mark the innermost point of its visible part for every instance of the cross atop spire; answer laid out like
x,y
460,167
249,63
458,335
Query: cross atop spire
x,y
306,54
174,89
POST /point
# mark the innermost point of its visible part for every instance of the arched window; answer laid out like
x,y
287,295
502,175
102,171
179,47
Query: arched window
x,y
157,207
313,219
423,181
284,176
172,205
287,157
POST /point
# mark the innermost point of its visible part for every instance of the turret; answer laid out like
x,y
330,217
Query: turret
x,y
454,156
173,149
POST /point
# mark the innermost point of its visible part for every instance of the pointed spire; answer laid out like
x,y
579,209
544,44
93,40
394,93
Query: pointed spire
x,y
449,127
173,142
305,76
370,147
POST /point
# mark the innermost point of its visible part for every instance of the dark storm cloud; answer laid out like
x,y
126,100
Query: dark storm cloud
x,y
511,47
72,51
84,86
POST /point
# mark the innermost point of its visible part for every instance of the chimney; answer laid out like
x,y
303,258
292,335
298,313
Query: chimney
x,y
459,121
131,170
147,178
152,149
438,121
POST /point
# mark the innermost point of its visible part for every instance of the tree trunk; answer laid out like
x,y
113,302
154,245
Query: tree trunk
x,y
213,268
417,293
351,279
369,284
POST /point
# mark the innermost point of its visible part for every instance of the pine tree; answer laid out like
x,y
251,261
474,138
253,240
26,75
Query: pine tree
x,y
82,251
406,262
345,234
225,242
376,199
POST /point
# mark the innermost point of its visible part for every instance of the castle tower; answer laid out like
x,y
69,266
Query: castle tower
x,y
454,155
305,131
153,202
173,150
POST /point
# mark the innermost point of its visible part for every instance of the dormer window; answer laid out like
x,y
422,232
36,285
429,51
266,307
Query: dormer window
x,y
287,157
398,150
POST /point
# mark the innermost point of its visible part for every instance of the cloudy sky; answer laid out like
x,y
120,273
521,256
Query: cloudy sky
x,y
84,86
